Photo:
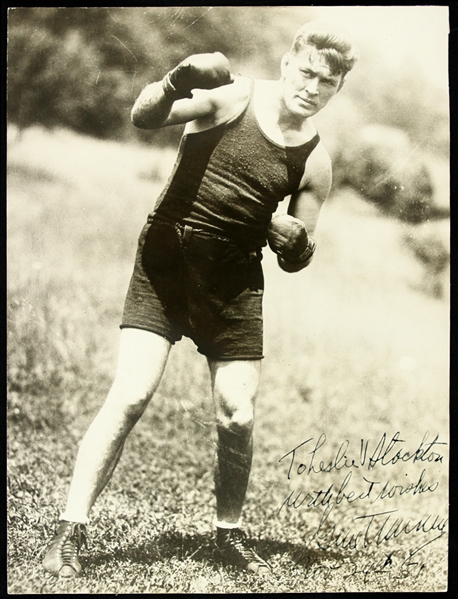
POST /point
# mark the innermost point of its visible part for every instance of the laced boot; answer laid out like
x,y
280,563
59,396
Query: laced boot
x,y
232,544
61,558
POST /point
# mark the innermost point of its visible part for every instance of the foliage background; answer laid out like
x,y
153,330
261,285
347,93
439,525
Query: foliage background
x,y
83,68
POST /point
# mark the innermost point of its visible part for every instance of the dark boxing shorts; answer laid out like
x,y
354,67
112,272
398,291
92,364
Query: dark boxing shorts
x,y
190,282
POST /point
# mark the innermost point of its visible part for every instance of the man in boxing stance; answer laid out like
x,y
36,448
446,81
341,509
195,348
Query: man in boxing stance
x,y
247,145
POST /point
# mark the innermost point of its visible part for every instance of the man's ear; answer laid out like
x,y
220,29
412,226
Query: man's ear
x,y
342,81
284,63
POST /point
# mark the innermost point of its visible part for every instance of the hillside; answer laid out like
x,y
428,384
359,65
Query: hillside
x,y
357,349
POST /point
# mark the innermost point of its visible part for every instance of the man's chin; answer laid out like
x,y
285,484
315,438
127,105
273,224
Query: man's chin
x,y
306,111
303,108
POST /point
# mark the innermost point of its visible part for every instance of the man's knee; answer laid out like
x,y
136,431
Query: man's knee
x,y
128,397
141,362
235,412
235,386
239,421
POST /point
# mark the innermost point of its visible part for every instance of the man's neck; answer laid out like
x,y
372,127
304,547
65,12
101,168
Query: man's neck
x,y
276,120
287,121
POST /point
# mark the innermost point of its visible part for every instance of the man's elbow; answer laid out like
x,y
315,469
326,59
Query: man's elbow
x,y
134,118
147,118
137,118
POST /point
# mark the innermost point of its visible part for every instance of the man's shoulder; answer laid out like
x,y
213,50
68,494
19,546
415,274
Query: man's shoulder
x,y
319,158
235,98
227,101
318,169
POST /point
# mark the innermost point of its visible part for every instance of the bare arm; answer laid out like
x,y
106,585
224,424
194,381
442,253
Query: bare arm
x,y
153,109
306,203
186,93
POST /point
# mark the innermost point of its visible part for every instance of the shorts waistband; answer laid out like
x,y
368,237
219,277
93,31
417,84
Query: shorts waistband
x,y
187,231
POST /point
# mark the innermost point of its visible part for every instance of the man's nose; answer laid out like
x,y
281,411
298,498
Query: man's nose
x,y
312,86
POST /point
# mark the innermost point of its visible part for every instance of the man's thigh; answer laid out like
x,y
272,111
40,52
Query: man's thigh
x,y
141,361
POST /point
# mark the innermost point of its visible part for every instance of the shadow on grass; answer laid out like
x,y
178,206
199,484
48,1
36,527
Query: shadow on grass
x,y
161,548
202,548
294,550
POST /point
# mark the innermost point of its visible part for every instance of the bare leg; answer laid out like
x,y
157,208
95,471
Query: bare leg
x,y
235,385
142,359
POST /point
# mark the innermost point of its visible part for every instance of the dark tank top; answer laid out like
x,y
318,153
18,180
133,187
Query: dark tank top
x,y
228,180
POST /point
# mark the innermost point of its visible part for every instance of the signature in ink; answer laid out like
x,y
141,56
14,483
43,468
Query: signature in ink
x,y
377,528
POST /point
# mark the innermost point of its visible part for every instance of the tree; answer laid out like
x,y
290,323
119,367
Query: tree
x,y
82,68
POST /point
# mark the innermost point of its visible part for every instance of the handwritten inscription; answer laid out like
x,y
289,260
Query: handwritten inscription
x,y
385,453
390,565
374,477
375,491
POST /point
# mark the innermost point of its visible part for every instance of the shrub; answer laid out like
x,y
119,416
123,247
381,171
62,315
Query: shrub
x,y
430,245
382,165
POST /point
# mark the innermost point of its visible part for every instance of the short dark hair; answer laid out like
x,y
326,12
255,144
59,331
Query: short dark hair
x,y
331,44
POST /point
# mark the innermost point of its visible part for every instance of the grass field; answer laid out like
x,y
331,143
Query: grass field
x,y
357,349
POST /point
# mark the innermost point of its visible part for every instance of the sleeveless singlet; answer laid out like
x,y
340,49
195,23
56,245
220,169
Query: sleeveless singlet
x,y
228,180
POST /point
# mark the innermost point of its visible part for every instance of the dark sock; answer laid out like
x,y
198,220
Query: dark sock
x,y
233,466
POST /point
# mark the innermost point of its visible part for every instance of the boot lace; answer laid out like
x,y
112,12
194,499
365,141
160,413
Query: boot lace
x,y
235,544
73,540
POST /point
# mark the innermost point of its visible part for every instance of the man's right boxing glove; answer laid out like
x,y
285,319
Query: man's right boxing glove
x,y
204,71
288,238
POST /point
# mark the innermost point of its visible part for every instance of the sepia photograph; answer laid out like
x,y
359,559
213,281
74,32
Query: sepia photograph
x,y
228,299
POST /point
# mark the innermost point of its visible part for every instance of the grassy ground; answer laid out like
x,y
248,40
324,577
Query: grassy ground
x,y
356,348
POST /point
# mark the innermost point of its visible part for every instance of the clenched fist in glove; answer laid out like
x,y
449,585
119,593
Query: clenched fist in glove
x,y
288,238
204,71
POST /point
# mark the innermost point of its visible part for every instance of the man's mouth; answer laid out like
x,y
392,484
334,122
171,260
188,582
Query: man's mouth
x,y
307,102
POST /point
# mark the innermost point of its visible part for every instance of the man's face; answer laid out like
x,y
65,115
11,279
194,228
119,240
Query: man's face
x,y
308,83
